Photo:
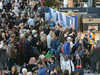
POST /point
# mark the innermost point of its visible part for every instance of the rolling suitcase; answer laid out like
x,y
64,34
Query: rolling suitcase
x,y
79,68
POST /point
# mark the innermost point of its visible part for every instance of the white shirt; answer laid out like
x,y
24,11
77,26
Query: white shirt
x,y
66,66
71,46
16,10
65,1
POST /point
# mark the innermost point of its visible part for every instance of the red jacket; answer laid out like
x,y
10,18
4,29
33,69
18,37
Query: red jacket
x,y
21,48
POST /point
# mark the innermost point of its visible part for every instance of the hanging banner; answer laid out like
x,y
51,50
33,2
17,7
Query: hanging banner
x,y
70,3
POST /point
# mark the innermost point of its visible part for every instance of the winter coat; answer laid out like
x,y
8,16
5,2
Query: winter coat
x,y
52,66
28,47
11,51
95,55
67,48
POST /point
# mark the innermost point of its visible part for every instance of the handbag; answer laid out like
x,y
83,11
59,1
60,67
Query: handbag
x,y
48,55
62,49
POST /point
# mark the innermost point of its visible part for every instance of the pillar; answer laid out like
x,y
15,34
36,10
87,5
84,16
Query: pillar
x,y
92,3
65,2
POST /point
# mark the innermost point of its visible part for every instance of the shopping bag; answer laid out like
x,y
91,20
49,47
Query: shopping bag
x,y
48,55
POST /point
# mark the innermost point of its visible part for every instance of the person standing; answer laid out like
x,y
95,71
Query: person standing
x,y
35,42
21,52
66,63
11,54
85,41
42,70
28,49
49,38
31,22
53,45
26,11
9,5
94,57
3,56
52,65
67,46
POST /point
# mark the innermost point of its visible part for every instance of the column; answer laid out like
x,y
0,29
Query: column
x,y
65,2
92,3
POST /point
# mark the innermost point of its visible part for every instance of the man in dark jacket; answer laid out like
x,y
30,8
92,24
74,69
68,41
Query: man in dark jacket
x,y
42,70
3,56
9,5
94,57
28,49
52,65
85,41
77,44
34,41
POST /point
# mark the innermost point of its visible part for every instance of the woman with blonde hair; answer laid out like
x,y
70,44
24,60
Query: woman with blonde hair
x,y
53,45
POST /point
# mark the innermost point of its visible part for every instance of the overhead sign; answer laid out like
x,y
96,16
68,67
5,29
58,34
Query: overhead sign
x,y
72,9
93,25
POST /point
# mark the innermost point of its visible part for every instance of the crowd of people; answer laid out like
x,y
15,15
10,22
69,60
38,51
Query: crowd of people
x,y
40,47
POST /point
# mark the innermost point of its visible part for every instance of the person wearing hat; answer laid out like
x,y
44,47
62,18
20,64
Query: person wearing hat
x,y
34,41
67,46
85,41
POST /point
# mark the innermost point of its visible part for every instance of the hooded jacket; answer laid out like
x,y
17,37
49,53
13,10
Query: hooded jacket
x,y
95,55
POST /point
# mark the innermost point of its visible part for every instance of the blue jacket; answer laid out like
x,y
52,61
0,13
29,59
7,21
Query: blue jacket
x,y
52,66
41,71
85,42
28,47
81,53
53,44
57,44
67,48
77,44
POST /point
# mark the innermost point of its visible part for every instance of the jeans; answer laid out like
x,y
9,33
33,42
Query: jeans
x,y
11,63
53,51
34,50
93,66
